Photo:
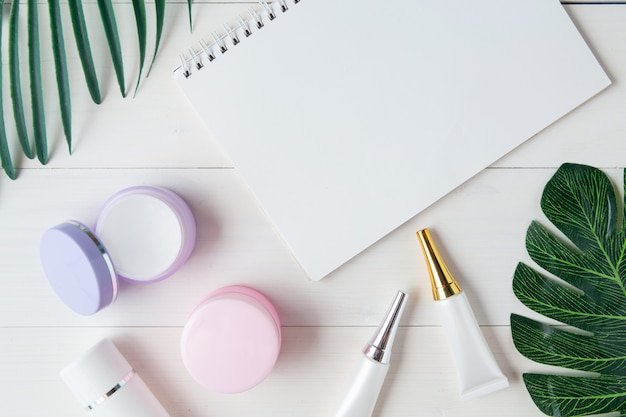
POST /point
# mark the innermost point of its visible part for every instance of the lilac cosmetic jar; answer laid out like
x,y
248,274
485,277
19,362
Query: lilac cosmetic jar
x,y
142,234
231,341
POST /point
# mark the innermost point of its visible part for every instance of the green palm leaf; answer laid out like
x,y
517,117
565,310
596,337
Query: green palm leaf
x,y
81,36
589,296
140,18
60,64
189,12
15,83
35,114
159,6
5,153
36,89
113,38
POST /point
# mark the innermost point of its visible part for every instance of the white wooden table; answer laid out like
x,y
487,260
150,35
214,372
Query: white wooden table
x,y
157,139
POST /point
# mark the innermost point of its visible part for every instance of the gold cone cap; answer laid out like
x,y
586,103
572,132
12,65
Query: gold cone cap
x,y
443,283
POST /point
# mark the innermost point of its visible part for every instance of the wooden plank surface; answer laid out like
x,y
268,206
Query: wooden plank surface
x,y
309,379
156,138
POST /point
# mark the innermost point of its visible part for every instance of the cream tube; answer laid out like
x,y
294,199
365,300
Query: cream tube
x,y
368,379
477,369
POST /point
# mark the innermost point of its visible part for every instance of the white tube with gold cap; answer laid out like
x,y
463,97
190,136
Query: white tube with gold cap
x,y
477,369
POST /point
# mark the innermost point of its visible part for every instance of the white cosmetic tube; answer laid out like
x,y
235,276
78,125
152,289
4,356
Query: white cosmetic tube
x,y
107,385
477,369
368,379
363,391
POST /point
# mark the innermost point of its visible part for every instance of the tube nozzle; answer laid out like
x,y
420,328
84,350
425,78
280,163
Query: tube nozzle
x,y
443,283
379,347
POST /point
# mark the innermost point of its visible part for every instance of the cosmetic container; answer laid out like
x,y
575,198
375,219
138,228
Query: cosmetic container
x,y
371,372
142,234
231,340
477,369
106,385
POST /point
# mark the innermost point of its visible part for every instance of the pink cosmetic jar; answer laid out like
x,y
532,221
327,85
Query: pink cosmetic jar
x,y
106,385
232,340
142,234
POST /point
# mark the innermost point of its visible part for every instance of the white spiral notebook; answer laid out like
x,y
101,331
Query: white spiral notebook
x,y
349,117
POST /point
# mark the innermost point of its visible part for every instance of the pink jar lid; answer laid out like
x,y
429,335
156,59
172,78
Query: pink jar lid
x,y
231,340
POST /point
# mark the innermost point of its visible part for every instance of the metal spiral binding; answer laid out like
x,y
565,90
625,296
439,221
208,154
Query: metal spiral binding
x,y
195,60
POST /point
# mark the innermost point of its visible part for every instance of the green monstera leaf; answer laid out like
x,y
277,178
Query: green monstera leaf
x,y
585,294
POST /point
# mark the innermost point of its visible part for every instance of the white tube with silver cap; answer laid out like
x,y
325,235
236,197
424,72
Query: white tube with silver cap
x,y
368,379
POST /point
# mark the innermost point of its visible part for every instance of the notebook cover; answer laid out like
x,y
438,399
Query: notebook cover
x,y
349,117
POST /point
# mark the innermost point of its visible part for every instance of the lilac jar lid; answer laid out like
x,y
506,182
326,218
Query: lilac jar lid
x,y
232,340
142,234
78,267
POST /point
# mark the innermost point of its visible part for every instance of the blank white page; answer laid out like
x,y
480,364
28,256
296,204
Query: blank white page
x,y
348,117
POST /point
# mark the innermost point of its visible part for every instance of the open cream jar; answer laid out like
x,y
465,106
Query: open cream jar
x,y
142,234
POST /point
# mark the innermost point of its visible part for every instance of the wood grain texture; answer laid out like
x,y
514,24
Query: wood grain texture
x,y
308,380
157,139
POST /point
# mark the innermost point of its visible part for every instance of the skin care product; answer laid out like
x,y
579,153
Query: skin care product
x,y
106,385
148,231
143,234
477,369
368,379
231,341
